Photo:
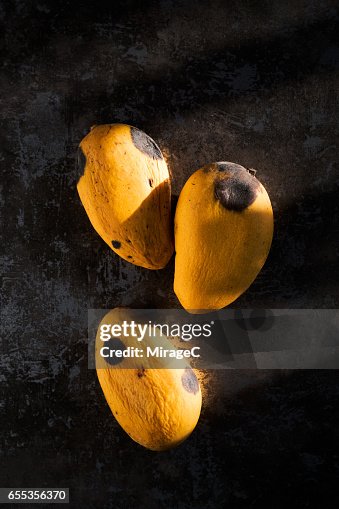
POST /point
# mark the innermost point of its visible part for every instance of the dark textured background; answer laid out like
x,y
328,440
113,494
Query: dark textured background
x,y
253,82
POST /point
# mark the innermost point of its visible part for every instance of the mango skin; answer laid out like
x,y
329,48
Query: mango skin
x,y
156,406
223,232
126,192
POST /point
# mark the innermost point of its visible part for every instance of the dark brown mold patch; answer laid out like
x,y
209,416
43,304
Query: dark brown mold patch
x,y
116,244
145,144
229,167
114,344
238,189
141,372
189,381
80,162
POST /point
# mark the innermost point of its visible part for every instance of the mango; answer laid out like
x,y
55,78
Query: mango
x,y
126,192
223,232
157,406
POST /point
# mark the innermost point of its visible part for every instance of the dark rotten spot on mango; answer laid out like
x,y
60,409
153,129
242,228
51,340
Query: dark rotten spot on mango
x,y
230,168
237,190
114,344
81,162
116,244
145,144
189,381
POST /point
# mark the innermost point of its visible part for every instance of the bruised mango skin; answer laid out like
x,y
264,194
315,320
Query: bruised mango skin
x,y
223,233
126,192
156,406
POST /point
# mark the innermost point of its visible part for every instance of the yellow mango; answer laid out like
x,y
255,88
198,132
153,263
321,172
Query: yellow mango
x,y
223,232
157,406
126,192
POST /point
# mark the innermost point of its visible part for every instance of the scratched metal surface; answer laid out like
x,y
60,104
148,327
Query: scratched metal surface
x,y
251,82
